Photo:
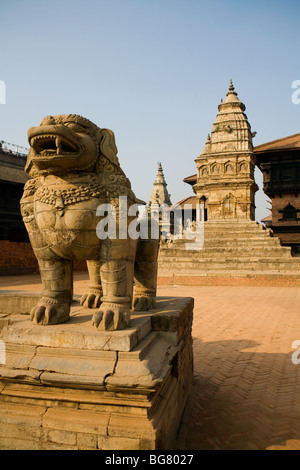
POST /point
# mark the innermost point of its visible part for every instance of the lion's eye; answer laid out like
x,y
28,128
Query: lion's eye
x,y
74,126
26,210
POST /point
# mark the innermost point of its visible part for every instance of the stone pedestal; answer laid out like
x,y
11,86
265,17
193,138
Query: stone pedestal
x,y
16,301
70,386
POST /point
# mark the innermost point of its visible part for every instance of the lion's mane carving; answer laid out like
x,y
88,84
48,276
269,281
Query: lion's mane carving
x,y
74,168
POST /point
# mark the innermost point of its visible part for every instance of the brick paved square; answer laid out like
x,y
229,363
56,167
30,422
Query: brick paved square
x,y
246,387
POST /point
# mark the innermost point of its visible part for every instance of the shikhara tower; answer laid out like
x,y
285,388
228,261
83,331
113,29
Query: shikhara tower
x,y
225,169
159,201
160,193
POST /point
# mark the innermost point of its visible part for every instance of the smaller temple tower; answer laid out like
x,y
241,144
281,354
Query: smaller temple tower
x,y
160,199
159,193
225,169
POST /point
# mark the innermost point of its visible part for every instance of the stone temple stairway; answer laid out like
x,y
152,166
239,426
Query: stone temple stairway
x,y
235,249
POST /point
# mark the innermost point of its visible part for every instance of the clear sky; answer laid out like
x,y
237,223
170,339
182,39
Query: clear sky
x,y
153,71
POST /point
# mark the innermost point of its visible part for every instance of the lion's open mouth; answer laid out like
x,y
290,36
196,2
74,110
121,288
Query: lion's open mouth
x,y
50,145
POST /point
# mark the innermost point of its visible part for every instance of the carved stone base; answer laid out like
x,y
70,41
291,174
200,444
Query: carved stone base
x,y
70,386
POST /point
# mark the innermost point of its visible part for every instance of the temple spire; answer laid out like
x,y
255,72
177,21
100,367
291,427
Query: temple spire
x,y
160,194
231,89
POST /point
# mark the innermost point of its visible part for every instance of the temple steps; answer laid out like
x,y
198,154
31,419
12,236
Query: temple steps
x,y
267,254
230,248
228,264
232,244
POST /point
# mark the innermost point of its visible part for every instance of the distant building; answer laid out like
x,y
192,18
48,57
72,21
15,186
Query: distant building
x,y
12,180
160,193
160,198
279,161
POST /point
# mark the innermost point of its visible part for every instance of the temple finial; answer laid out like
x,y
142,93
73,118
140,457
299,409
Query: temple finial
x,y
231,90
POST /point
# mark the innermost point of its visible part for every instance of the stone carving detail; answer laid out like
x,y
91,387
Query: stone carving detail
x,y
204,171
74,168
229,207
215,168
243,167
228,167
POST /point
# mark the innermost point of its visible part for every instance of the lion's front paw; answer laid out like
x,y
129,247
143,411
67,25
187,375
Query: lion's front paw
x,y
91,300
111,317
50,311
144,303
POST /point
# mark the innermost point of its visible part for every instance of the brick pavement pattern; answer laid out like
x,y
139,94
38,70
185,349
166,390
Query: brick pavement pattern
x,y
246,387
246,392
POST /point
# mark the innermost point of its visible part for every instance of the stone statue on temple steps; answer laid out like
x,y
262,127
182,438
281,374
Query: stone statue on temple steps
x,y
74,168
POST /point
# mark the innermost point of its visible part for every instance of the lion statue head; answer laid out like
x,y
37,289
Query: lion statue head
x,y
66,143
69,144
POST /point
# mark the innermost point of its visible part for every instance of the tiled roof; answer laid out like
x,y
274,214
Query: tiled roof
x,y
291,142
187,200
191,179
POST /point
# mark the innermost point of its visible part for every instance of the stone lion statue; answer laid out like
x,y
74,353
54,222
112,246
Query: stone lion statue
x,y
74,168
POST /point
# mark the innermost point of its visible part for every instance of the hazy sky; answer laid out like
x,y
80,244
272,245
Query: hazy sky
x,y
153,71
